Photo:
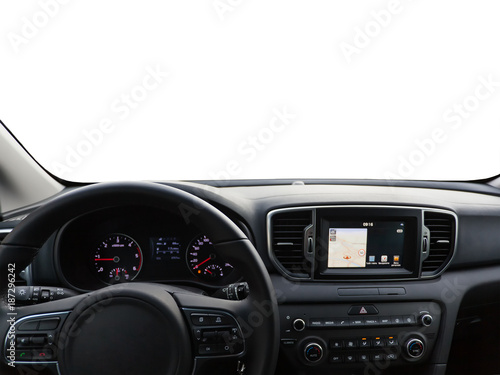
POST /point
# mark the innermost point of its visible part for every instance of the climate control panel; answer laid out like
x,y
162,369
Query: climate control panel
x,y
355,335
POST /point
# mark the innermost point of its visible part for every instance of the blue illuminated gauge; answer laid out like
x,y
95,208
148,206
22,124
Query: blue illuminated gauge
x,y
204,262
117,259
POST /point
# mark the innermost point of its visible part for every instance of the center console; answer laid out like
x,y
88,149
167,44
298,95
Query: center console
x,y
360,328
358,336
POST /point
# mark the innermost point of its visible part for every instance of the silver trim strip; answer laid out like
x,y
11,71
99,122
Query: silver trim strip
x,y
6,230
313,209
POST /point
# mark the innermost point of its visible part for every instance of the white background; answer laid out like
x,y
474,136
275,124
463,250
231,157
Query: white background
x,y
231,64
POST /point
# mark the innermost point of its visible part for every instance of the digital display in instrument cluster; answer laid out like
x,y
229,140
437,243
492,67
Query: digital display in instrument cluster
x,y
166,248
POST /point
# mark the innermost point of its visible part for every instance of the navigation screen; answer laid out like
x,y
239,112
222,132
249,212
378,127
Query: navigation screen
x,y
366,244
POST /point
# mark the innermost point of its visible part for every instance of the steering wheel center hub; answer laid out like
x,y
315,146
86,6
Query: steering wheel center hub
x,y
125,329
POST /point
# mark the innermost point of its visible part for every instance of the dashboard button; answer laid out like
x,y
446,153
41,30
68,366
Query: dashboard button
x,y
336,358
385,321
371,321
365,343
342,322
351,344
378,342
288,342
364,358
351,358
378,357
363,310
409,320
329,322
397,320
316,323
336,344
357,322
392,341
391,356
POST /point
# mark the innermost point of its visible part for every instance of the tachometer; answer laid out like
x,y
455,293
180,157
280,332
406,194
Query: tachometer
x,y
204,262
117,259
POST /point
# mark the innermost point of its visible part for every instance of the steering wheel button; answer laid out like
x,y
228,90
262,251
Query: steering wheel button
x,y
22,340
200,319
207,349
220,320
37,340
30,325
42,355
23,355
48,324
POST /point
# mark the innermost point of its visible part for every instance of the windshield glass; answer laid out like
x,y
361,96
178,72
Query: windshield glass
x,y
235,89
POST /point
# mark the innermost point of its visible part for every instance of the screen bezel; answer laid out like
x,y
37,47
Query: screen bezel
x,y
411,248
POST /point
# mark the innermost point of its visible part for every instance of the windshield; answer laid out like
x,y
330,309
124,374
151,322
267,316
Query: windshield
x,y
235,89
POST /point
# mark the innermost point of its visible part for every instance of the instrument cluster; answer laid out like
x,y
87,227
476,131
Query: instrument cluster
x,y
129,244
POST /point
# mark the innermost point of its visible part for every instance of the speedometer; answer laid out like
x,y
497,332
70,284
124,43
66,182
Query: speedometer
x,y
204,262
117,259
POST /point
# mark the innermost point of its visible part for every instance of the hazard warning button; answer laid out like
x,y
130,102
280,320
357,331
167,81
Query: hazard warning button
x,y
363,310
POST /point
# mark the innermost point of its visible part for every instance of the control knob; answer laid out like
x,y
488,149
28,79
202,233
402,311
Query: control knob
x,y
415,348
313,352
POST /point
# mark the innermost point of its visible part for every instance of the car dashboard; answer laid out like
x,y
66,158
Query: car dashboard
x,y
369,278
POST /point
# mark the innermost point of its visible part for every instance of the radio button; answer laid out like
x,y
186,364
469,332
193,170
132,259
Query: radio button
x,y
342,322
385,321
357,322
409,319
371,321
329,323
397,320
316,323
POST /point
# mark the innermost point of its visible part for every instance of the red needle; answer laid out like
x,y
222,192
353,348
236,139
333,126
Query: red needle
x,y
208,271
117,272
104,259
206,260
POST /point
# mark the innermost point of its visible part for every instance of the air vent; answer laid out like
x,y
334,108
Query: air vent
x,y
442,241
287,241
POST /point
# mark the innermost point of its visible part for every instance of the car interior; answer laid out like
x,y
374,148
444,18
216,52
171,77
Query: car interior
x,y
250,276
249,188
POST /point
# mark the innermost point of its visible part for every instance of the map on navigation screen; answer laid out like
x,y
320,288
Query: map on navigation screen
x,y
347,247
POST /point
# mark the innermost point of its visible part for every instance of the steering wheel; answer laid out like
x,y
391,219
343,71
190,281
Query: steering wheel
x,y
145,328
